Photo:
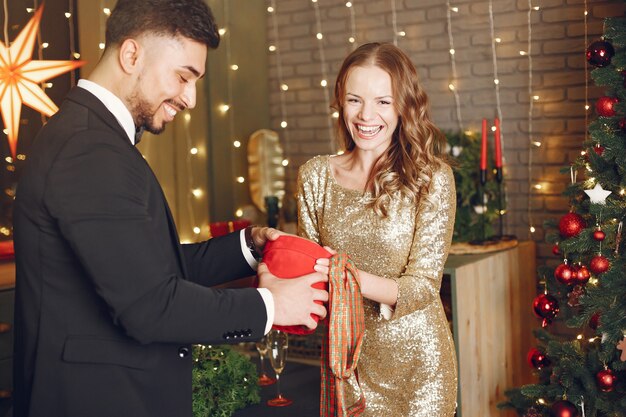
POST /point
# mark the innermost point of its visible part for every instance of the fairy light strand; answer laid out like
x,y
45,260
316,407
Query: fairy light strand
x,y
281,85
324,81
531,100
496,80
190,174
352,38
40,49
229,109
394,22
454,84
586,12
6,23
70,26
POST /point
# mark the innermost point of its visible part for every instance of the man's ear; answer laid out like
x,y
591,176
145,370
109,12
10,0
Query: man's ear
x,y
129,55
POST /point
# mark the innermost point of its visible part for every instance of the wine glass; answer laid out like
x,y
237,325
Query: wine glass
x,y
277,346
261,347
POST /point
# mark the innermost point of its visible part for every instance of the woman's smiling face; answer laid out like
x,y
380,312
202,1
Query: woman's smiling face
x,y
368,109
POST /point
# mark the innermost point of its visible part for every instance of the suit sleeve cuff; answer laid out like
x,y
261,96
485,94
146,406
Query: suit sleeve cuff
x,y
268,299
254,264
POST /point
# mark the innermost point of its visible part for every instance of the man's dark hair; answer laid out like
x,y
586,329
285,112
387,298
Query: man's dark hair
x,y
191,19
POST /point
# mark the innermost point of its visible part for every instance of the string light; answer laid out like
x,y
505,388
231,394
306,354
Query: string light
x,y
394,23
452,86
586,74
221,31
237,144
323,83
283,86
352,38
532,143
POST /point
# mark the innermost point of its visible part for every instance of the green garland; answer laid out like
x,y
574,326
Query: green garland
x,y
223,381
464,150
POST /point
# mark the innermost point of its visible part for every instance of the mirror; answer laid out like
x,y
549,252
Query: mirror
x,y
266,172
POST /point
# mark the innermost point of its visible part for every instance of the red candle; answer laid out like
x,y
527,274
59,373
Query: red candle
x,y
483,149
498,145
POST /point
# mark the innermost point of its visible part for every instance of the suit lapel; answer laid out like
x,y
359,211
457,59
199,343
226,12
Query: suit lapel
x,y
85,98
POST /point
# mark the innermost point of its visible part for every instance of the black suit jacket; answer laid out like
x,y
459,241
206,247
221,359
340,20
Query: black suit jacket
x,y
107,299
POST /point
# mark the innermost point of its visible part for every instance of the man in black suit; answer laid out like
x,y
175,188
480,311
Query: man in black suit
x,y
107,299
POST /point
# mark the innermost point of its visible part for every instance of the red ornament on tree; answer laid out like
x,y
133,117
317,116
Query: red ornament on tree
x,y
622,124
599,53
555,250
604,106
599,264
563,408
581,274
594,321
571,225
564,273
606,380
537,359
599,235
598,149
532,412
546,307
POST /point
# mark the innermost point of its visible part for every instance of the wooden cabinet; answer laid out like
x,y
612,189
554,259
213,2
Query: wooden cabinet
x,y
492,322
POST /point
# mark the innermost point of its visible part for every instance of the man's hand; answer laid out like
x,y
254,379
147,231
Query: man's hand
x,y
294,299
260,236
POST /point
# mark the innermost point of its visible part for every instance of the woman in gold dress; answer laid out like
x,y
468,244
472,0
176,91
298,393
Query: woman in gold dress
x,y
389,202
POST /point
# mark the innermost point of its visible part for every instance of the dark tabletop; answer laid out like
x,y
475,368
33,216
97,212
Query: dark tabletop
x,y
298,382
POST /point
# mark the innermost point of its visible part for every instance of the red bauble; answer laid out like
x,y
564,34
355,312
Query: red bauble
x,y
581,274
555,250
546,307
606,380
563,408
537,359
599,235
599,53
594,321
564,274
532,412
599,264
571,225
598,149
604,106
622,124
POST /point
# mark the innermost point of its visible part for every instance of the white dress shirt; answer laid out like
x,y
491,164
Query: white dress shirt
x,y
125,119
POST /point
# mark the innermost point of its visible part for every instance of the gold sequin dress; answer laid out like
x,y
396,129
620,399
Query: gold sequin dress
x,y
408,363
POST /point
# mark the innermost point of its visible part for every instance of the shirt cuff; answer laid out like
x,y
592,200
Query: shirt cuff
x,y
268,299
254,264
386,311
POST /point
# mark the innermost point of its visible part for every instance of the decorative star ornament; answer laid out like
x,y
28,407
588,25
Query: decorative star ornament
x,y
20,76
597,194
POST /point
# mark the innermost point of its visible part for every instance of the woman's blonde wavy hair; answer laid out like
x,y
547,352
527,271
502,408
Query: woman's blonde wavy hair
x,y
416,147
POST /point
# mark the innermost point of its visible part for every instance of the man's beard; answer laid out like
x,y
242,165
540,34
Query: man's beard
x,y
143,115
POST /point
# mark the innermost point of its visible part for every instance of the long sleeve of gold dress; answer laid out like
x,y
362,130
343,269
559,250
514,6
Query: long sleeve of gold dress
x,y
408,363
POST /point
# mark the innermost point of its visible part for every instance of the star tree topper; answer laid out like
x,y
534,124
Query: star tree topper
x,y
20,75
597,194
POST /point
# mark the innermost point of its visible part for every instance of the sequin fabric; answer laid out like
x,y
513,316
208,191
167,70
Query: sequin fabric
x,y
408,363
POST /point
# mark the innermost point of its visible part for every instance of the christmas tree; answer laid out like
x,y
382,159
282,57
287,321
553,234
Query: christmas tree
x,y
584,373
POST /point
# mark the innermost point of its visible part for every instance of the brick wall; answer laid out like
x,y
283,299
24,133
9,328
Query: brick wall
x,y
558,46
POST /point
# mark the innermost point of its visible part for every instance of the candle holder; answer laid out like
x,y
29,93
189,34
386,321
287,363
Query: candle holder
x,y
483,239
501,236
